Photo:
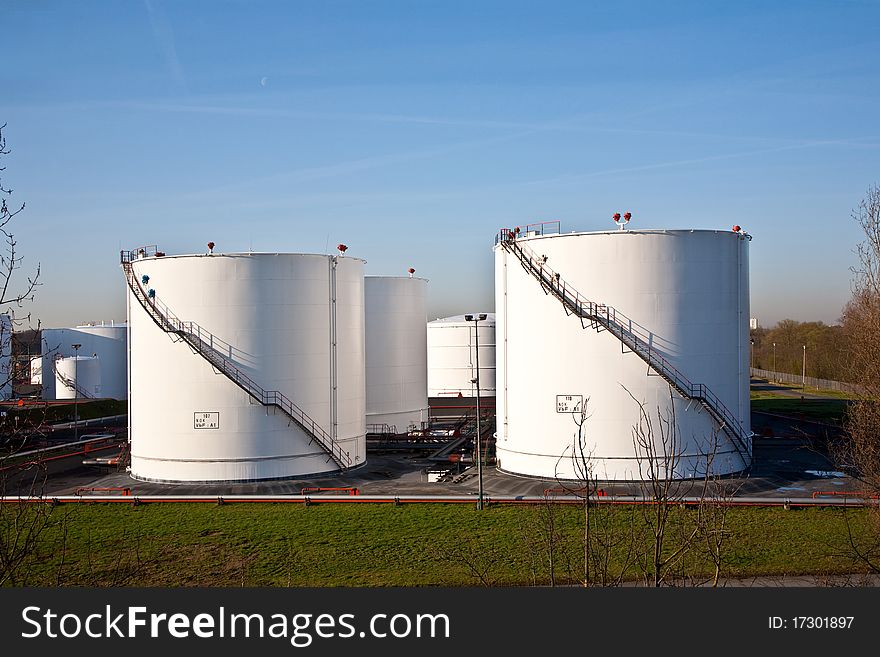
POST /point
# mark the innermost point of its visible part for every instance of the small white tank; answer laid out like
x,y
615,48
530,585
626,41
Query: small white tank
x,y
37,371
107,339
78,377
452,356
396,352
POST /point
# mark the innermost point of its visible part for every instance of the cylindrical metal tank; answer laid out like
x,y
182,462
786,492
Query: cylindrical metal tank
x,y
5,357
78,377
37,371
685,291
107,339
452,357
293,323
396,352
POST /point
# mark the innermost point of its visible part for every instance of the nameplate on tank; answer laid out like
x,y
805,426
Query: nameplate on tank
x,y
569,403
206,420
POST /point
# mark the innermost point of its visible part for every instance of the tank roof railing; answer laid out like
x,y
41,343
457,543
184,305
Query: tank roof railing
x,y
139,252
537,228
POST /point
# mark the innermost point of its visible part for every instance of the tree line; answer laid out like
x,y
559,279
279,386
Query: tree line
x,y
781,349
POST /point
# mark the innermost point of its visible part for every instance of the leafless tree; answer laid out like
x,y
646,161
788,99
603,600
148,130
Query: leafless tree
x,y
713,511
532,548
22,520
12,294
609,533
551,537
859,451
22,523
480,561
10,259
658,447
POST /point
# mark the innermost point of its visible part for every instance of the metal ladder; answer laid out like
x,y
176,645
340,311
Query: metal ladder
x,y
219,354
601,316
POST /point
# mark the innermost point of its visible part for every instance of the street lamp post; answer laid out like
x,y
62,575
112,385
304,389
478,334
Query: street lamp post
x,y
752,355
75,392
774,360
804,371
476,319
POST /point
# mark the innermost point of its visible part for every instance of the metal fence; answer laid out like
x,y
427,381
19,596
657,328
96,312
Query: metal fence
x,y
808,382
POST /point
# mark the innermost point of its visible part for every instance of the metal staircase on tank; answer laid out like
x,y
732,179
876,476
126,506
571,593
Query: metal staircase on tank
x,y
219,354
604,317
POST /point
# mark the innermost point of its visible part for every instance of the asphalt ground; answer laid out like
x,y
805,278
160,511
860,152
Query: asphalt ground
x,y
789,460
783,467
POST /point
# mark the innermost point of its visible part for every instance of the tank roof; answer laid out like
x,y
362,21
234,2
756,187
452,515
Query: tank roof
x,y
103,324
407,277
634,231
459,319
241,255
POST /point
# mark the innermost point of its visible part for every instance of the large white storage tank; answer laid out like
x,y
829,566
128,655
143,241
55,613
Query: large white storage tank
x,y
292,323
107,340
5,357
396,352
78,377
452,356
686,292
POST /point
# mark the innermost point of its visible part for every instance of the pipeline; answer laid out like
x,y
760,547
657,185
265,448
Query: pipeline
x,y
38,457
689,501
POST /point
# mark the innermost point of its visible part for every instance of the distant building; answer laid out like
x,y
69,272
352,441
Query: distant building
x,y
753,323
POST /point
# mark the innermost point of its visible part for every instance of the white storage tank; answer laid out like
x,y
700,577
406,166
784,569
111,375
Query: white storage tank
x,y
684,293
5,357
78,377
37,371
293,324
452,356
107,339
396,352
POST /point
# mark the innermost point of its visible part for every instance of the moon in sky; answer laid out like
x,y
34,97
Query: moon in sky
x,y
264,81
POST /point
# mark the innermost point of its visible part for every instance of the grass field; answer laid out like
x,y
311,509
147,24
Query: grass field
x,y
832,411
784,389
408,545
36,413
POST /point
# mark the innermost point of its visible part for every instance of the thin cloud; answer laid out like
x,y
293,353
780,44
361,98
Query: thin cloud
x,y
577,177
578,123
164,36
262,112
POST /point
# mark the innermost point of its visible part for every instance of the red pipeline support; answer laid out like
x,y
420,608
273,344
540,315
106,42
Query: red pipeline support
x,y
436,499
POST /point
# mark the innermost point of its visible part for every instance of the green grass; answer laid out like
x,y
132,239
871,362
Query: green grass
x,y
383,545
35,413
832,411
787,391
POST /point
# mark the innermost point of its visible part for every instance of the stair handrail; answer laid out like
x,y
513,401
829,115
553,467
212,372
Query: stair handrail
x,y
205,344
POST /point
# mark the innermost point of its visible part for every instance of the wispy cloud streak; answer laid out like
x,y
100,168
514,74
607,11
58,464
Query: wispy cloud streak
x,y
164,36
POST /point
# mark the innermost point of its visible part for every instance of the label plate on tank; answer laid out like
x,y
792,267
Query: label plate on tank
x,y
206,420
569,403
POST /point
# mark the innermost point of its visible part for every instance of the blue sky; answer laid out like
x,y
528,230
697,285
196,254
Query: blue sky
x,y
412,131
